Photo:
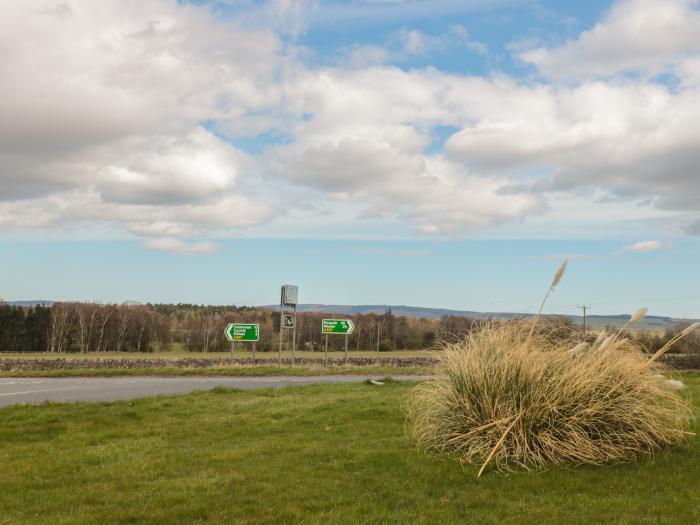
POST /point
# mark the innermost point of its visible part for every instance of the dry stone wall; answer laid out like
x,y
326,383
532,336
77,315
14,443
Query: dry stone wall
x,y
68,363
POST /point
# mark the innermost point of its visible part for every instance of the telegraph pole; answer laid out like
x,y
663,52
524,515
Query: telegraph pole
x,y
585,308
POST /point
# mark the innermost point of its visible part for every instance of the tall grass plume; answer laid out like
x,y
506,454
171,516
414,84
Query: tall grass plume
x,y
508,395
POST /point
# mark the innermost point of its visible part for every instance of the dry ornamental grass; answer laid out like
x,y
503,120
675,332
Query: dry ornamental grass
x,y
510,395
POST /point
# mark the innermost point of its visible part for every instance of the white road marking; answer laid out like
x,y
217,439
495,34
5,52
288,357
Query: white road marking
x,y
22,383
36,391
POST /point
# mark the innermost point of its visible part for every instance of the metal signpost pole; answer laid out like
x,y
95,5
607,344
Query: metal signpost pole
x,y
346,348
289,297
281,330
325,357
294,336
253,352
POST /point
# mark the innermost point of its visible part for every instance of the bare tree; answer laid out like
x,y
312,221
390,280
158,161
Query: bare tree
x,y
61,323
86,314
106,312
123,320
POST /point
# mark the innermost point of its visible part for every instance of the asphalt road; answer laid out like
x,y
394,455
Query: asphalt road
x,y
37,390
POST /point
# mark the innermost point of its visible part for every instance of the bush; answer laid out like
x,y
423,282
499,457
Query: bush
x,y
516,397
385,346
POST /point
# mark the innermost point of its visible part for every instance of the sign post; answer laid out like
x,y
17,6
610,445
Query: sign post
x,y
244,332
288,316
340,327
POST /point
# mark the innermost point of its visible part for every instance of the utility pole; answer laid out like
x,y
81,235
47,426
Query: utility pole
x,y
585,308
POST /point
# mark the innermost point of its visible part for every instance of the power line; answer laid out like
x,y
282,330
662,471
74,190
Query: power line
x,y
627,301
584,308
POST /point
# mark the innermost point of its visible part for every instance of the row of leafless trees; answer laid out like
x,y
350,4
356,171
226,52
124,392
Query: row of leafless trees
x,y
94,327
91,327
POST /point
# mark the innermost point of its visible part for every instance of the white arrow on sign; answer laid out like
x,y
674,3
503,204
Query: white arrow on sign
x,y
351,326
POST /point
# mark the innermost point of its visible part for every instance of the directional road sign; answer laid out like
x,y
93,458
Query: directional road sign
x,y
242,332
337,326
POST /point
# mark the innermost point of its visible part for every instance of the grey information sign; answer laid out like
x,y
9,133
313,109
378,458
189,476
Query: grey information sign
x,y
290,294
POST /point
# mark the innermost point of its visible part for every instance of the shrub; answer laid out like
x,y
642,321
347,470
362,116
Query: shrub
x,y
385,346
511,395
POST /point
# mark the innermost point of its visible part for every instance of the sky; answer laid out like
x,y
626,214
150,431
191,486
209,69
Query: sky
x,y
425,152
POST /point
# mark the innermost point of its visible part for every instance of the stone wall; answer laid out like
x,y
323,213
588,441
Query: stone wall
x,y
57,363
677,361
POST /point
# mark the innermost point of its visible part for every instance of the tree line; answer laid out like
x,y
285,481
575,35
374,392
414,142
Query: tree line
x,y
73,327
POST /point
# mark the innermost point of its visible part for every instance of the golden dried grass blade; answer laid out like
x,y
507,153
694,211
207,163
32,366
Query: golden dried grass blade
x,y
499,443
673,341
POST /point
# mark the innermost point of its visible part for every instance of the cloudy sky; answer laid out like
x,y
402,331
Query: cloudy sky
x,y
395,138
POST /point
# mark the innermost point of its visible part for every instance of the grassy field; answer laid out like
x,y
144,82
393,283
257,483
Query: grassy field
x,y
247,354
217,371
312,455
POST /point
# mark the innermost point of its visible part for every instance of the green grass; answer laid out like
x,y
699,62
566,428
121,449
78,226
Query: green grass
x,y
313,455
233,371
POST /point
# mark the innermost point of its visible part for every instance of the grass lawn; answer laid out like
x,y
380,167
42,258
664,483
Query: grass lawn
x,y
312,455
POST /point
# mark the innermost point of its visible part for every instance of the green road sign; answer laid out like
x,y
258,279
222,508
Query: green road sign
x,y
242,332
337,326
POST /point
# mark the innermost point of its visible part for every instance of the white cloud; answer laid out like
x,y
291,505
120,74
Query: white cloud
x,y
646,36
406,44
163,169
644,246
115,114
179,247
101,110
634,140
416,42
87,206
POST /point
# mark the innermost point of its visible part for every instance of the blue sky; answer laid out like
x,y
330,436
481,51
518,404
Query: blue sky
x,y
438,153
489,275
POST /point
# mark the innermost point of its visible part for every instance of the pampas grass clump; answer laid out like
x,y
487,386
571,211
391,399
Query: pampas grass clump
x,y
510,395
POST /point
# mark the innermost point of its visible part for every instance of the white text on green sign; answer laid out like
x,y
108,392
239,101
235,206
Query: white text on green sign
x,y
337,326
243,332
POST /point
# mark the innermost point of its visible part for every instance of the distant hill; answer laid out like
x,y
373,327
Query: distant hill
x,y
594,321
35,302
599,321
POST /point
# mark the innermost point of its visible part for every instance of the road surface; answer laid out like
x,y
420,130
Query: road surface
x,y
37,390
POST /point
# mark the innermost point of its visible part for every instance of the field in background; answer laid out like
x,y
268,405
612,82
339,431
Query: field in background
x,y
238,353
219,371
315,455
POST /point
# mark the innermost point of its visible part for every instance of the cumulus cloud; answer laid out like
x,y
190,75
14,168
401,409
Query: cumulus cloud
x,y
87,206
644,36
358,146
164,169
634,140
102,106
126,113
180,247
